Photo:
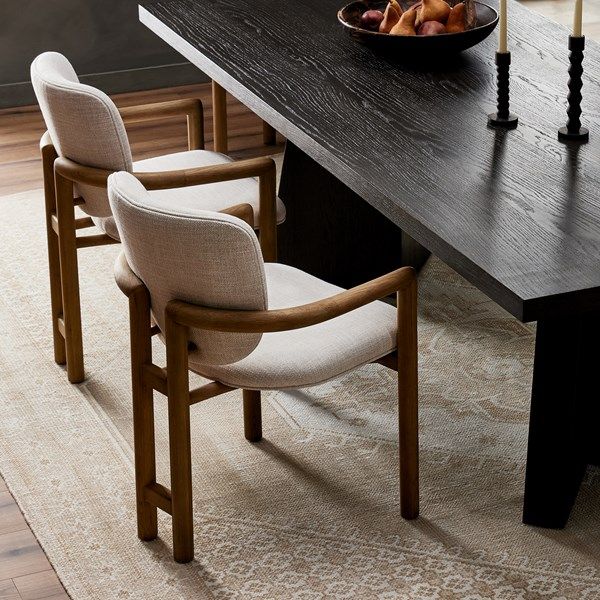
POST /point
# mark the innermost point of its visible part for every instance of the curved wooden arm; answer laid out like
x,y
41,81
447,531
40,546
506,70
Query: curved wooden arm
x,y
263,168
190,107
164,180
268,321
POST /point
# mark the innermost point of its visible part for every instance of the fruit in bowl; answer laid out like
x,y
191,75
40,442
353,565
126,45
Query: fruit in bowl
x,y
424,17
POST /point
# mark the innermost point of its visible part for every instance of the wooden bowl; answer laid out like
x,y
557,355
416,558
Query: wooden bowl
x,y
415,47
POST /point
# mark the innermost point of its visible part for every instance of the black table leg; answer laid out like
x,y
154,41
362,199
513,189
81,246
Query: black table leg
x,y
564,417
331,232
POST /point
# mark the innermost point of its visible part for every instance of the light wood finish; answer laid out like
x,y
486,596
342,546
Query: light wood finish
x,y
219,98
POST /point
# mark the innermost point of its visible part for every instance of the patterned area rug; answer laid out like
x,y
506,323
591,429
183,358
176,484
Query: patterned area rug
x,y
310,512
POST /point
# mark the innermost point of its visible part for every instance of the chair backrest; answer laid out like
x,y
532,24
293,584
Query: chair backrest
x,y
205,258
83,122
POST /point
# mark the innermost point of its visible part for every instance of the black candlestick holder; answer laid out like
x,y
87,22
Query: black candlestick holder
x,y
503,117
573,131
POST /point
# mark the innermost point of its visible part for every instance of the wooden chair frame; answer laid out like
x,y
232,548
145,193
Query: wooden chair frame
x,y
173,382
61,174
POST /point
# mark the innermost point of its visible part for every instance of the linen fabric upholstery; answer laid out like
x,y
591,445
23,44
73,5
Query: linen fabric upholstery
x,y
312,355
205,258
84,124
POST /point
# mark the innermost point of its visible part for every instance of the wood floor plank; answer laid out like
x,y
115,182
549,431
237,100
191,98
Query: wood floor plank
x,y
8,591
20,554
40,586
11,518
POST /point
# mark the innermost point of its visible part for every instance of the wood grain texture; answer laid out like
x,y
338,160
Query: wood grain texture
x,y
515,212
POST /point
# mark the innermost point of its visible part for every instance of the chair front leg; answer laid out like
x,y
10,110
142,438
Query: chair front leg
x,y
252,416
179,440
408,411
69,273
48,157
143,411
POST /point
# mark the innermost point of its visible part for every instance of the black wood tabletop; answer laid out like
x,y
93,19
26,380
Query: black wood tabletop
x,y
516,212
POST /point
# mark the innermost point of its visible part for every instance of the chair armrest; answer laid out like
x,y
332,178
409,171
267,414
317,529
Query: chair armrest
x,y
190,107
286,319
263,168
241,211
127,281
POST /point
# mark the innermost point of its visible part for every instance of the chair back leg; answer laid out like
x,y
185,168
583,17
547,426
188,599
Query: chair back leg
x,y
48,157
179,440
143,412
69,273
408,411
252,416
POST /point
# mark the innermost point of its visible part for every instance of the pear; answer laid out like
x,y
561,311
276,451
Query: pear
x,y
406,24
457,19
391,16
433,10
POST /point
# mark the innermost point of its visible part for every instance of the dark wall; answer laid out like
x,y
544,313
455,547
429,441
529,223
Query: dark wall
x,y
104,40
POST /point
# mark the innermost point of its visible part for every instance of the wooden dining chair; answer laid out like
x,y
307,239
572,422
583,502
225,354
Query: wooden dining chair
x,y
229,313
86,141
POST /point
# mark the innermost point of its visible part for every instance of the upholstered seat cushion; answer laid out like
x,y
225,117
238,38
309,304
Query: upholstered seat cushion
x,y
309,356
212,196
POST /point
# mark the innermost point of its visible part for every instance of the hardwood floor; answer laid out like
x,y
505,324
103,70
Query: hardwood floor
x,y
25,573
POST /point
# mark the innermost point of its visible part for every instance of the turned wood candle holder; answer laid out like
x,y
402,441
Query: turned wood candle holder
x,y
573,131
503,117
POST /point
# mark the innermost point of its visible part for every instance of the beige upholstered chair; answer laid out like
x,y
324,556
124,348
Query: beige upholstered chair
x,y
85,142
243,323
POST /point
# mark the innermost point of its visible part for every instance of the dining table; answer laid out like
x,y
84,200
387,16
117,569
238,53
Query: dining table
x,y
389,158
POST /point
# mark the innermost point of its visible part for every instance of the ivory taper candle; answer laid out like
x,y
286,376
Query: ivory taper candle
x,y
503,46
577,18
